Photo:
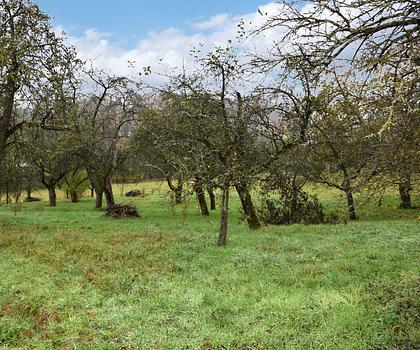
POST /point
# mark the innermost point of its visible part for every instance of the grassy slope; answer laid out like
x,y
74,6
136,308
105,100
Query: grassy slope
x,y
72,279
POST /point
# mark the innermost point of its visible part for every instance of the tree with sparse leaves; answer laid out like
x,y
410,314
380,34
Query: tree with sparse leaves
x,y
100,129
32,60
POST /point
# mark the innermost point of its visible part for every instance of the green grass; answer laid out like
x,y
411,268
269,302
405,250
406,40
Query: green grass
x,y
72,279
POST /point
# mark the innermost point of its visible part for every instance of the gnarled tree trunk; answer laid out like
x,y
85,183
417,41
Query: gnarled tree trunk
x,y
248,206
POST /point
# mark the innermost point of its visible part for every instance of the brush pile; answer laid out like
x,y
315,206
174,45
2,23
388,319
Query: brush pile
x,y
122,211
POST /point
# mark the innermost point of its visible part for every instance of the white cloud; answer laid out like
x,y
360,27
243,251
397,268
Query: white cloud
x,y
214,22
169,49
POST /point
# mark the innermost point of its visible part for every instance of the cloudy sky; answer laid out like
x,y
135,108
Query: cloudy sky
x,y
157,33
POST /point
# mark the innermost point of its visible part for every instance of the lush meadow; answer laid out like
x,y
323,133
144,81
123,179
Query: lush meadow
x,y
74,279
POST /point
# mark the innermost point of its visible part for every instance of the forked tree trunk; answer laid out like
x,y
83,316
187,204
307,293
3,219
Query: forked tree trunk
x,y
210,191
177,190
404,188
97,187
224,217
52,196
201,197
248,206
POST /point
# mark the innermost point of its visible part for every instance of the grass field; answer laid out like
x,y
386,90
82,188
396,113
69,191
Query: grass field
x,y
72,279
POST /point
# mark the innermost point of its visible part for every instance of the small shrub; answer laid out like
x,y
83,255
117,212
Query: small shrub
x,y
302,208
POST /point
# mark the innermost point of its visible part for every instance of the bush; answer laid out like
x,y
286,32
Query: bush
x,y
297,207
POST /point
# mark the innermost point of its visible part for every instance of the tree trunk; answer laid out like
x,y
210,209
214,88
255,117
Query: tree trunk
x,y
178,196
349,194
8,103
248,206
99,196
294,205
404,187
177,190
109,195
210,191
224,218
7,194
52,196
350,205
92,190
28,192
201,197
74,196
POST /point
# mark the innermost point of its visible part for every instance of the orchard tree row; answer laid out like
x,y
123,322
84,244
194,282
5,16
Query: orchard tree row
x,y
333,101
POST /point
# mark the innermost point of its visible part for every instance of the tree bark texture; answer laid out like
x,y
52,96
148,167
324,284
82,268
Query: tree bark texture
x,y
109,195
404,188
52,196
224,218
350,205
248,206
210,191
201,198
99,196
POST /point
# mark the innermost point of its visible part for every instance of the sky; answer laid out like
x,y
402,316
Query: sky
x,y
122,36
132,19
